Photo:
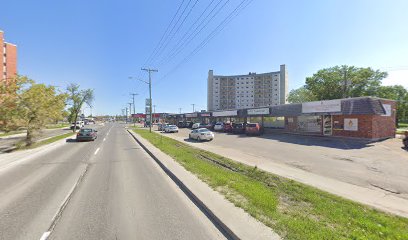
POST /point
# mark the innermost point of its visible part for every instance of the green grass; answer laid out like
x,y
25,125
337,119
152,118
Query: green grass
x,y
292,209
45,142
59,125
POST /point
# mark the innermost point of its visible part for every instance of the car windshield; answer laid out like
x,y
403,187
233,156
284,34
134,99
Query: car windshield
x,y
204,130
86,130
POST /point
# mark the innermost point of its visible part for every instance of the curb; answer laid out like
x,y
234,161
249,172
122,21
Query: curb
x,y
224,229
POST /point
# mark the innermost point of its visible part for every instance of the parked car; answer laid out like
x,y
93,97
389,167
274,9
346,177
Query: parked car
x,y
181,124
219,126
161,126
238,128
86,134
195,126
201,134
227,127
171,128
189,124
253,129
210,126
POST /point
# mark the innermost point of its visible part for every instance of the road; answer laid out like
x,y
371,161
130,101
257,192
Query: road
x,y
381,165
106,189
8,141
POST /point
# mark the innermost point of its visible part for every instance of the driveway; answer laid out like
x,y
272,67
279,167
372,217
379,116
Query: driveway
x,y
381,165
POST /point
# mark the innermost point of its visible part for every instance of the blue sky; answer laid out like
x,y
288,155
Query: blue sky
x,y
99,44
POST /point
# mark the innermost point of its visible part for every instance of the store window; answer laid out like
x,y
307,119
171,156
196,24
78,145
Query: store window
x,y
311,124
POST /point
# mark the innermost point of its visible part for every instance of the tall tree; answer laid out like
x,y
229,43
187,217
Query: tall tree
x,y
39,105
76,99
344,81
300,95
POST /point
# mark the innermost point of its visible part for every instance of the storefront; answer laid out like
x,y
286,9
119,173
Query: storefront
x,y
225,116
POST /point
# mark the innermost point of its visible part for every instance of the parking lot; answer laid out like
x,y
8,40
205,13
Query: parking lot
x,y
377,165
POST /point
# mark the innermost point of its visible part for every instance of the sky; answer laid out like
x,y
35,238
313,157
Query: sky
x,y
99,44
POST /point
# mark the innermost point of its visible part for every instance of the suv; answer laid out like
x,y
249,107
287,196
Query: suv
x,y
238,128
253,129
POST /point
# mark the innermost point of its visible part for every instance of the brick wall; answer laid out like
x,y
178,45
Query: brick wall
x,y
291,126
365,129
11,59
384,126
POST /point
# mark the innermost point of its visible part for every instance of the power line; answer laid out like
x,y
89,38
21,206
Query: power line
x,y
217,30
186,41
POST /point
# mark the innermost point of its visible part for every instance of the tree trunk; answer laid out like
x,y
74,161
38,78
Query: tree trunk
x,y
29,137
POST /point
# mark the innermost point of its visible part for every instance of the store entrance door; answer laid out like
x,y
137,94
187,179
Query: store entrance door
x,y
327,125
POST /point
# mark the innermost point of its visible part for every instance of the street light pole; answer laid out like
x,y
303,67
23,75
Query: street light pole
x,y
193,106
150,93
134,111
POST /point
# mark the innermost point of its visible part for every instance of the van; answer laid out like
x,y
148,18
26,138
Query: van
x,y
253,129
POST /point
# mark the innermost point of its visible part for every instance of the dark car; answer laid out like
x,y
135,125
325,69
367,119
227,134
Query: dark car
x,y
253,129
238,128
210,126
181,124
86,134
227,127
188,124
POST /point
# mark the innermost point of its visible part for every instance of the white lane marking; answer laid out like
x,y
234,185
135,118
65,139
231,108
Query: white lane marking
x,y
97,150
45,236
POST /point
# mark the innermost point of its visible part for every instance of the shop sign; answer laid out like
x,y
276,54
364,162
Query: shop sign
x,y
387,108
351,124
205,114
225,113
258,111
191,115
321,106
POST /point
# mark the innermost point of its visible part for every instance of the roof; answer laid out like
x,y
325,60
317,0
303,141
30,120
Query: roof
x,y
349,106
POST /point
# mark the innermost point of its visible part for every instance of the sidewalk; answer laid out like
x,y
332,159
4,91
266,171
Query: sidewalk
x,y
237,220
371,197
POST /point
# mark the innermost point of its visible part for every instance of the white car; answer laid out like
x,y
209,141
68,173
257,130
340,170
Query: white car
x,y
219,126
171,128
201,134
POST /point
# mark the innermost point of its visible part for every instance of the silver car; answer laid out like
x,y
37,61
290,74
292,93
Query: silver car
x,y
201,134
171,128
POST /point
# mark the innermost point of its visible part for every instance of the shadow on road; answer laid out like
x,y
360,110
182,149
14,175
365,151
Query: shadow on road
x,y
71,140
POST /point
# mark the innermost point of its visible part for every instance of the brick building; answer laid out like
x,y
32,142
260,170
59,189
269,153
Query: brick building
x,y
363,117
8,59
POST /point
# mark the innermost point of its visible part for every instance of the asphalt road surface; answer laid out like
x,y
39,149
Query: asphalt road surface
x,y
106,189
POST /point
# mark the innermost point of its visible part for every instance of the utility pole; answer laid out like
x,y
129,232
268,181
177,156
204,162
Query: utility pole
x,y
180,110
193,106
134,111
126,114
150,93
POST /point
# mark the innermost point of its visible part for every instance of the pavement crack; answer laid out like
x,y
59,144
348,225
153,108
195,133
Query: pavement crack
x,y
385,189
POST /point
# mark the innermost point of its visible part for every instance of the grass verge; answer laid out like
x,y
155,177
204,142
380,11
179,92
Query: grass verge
x,y
46,141
292,209
59,125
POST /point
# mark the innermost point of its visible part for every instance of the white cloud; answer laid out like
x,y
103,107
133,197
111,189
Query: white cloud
x,y
397,77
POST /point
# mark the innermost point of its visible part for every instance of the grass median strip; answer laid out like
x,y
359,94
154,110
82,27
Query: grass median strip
x,y
46,141
292,209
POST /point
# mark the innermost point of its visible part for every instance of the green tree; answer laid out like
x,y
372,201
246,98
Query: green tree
x,y
399,94
76,99
344,81
300,95
38,106
10,94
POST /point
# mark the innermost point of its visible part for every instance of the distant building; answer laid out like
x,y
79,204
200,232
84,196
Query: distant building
x,y
247,91
8,59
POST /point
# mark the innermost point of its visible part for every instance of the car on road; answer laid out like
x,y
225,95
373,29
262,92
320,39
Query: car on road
x,y
86,134
238,128
219,126
201,134
171,129
79,125
198,125
253,129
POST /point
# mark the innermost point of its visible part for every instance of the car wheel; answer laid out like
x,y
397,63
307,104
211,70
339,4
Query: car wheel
x,y
198,139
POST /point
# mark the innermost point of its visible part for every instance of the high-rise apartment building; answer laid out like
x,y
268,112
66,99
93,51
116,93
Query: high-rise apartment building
x,y
247,91
8,59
